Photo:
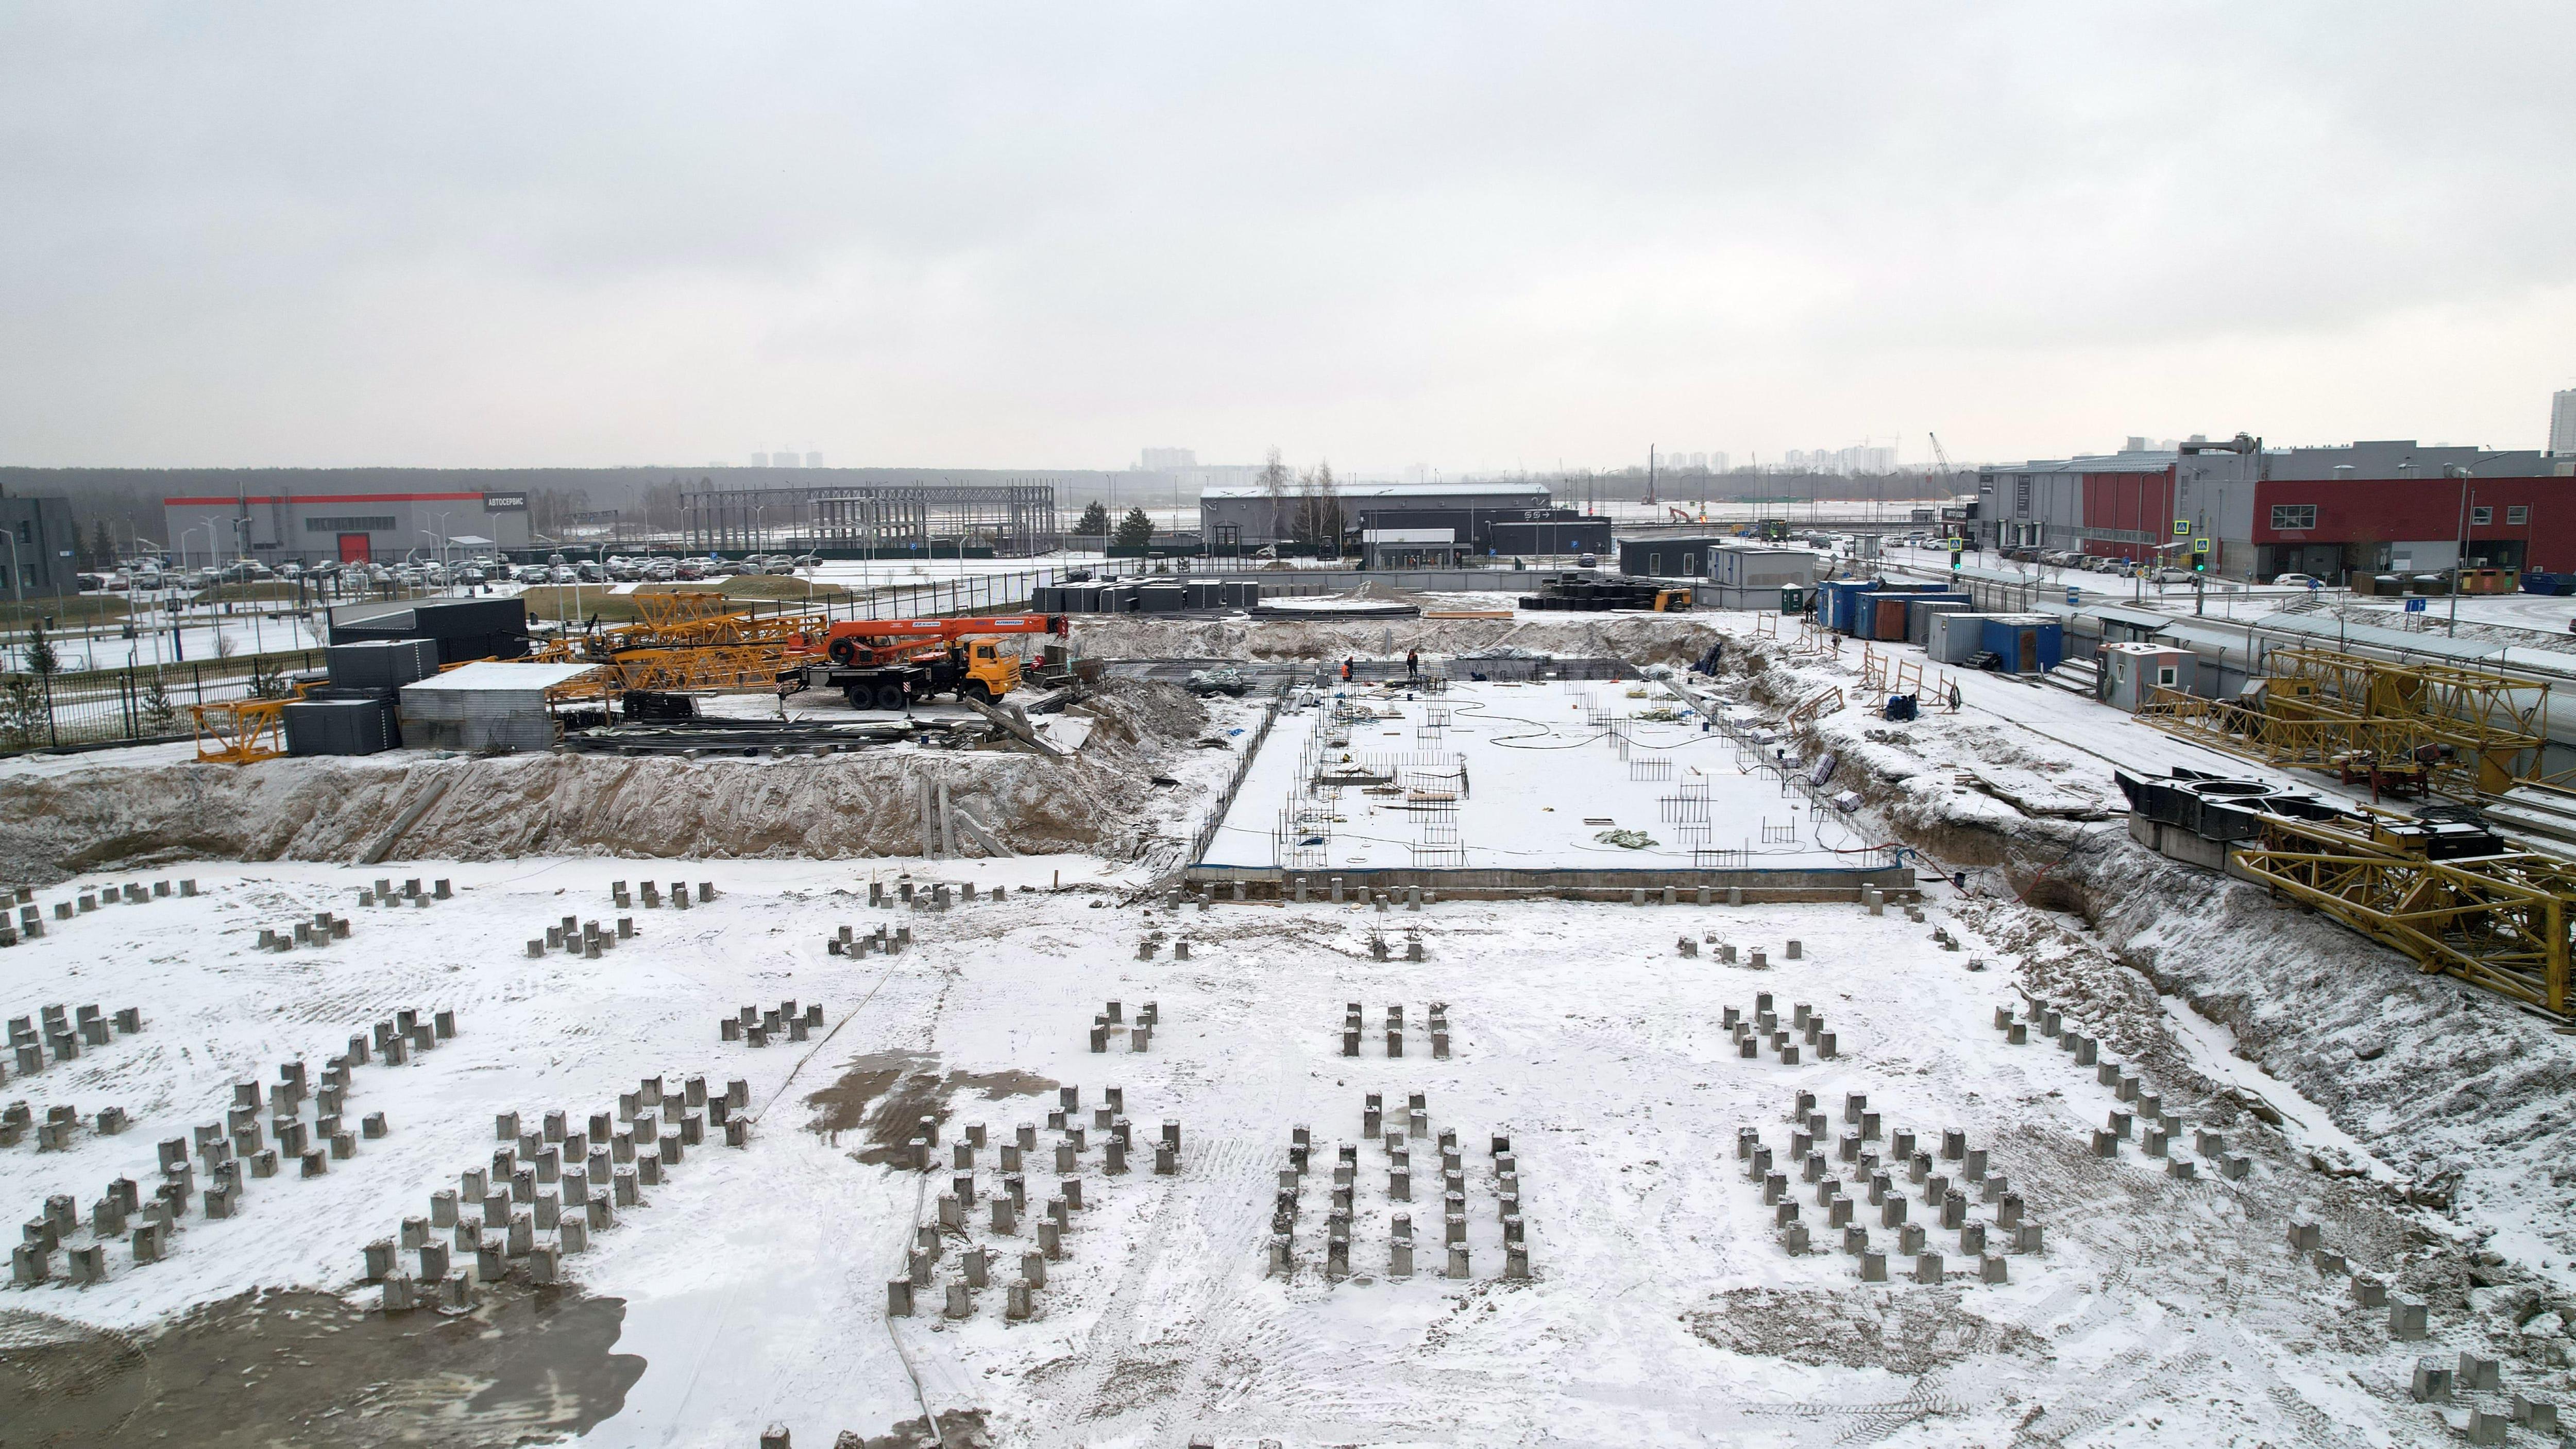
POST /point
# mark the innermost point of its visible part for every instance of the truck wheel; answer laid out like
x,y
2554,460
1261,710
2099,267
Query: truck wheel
x,y
976,690
844,652
890,696
859,696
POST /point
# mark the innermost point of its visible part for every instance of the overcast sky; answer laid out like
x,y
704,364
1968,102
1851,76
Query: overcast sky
x,y
1472,236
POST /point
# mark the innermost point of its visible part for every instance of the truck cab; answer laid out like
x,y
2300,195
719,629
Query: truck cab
x,y
982,662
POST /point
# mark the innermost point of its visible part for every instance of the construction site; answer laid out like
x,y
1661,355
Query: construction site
x,y
1415,1015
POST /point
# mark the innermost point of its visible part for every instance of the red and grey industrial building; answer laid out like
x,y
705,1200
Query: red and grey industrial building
x,y
2331,512
345,527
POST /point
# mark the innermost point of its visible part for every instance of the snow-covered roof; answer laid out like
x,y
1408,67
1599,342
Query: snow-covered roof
x,y
501,675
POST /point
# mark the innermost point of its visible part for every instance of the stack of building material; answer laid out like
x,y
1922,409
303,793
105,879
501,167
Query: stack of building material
x,y
1152,597
358,726
458,629
356,713
381,663
487,707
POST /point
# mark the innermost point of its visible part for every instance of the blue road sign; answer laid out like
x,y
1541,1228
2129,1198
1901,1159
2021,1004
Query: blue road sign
x,y
2415,606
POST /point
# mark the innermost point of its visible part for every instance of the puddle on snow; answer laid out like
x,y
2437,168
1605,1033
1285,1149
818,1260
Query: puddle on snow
x,y
905,1087
305,1368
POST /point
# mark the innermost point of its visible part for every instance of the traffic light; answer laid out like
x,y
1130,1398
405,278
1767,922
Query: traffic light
x,y
2199,563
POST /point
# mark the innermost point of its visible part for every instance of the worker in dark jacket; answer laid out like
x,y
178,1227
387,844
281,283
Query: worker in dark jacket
x,y
1412,664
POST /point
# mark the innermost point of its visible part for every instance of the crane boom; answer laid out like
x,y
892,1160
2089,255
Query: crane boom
x,y
884,641
946,629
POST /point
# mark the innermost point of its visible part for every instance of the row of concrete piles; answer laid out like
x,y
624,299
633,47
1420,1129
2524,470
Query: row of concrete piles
x,y
1379,948
651,892
931,895
2476,1382
230,1153
1911,1163
63,1032
2141,1116
322,930
884,939
1803,1033
555,1180
1008,1201
61,1126
1396,1141
1436,1022
759,1025
1110,1023
29,922
586,939
412,894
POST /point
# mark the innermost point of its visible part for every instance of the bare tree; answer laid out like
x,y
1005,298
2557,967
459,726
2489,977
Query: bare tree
x,y
1274,481
1319,511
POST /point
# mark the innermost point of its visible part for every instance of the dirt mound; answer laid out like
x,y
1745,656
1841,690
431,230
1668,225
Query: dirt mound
x,y
1146,712
831,807
1903,1331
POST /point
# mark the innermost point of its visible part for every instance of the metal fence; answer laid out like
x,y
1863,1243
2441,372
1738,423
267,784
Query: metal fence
x,y
139,702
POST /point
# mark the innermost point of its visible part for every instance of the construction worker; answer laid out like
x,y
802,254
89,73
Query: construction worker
x,y
1346,668
1412,664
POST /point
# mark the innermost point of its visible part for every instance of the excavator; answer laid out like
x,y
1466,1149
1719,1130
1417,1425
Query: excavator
x,y
889,663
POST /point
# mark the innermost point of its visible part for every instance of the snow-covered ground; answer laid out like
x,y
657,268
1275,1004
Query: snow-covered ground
x,y
1663,1308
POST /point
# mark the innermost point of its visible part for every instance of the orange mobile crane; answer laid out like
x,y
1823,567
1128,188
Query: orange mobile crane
x,y
888,663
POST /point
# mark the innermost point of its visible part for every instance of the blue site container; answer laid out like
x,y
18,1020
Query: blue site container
x,y
2026,643
1834,601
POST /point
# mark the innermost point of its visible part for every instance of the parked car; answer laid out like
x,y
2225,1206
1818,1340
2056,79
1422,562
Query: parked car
x,y
2297,581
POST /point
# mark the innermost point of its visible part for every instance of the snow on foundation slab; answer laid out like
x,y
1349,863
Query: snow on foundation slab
x,y
1537,785
1663,1308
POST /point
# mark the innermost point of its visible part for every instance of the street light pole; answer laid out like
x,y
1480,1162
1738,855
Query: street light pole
x,y
2459,559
